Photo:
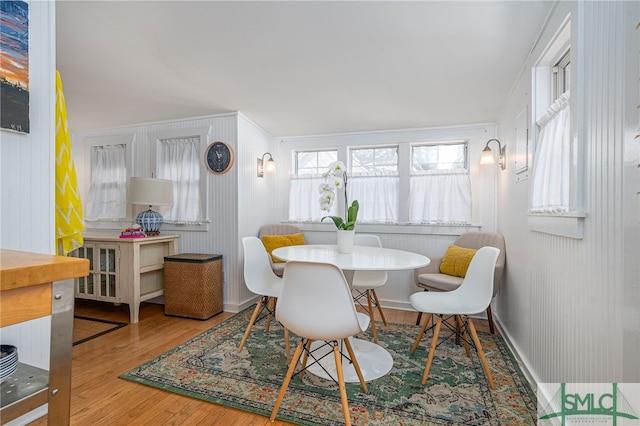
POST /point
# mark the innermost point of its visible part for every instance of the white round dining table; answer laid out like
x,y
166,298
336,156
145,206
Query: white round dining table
x,y
374,360
362,258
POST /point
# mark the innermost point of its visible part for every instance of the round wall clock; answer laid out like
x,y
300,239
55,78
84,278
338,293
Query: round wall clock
x,y
218,157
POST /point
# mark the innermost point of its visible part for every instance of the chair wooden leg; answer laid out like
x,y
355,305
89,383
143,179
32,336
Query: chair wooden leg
x,y
356,366
287,379
424,327
287,345
307,348
419,318
490,318
434,343
256,311
461,330
341,386
485,365
375,297
373,321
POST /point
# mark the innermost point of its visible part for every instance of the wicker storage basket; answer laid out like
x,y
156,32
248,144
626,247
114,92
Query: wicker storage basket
x,y
193,285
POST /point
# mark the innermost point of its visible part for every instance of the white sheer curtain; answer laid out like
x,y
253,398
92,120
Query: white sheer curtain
x,y
107,199
550,191
303,199
179,161
377,195
440,197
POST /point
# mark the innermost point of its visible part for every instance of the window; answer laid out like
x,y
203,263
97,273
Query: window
x,y
377,159
552,184
313,162
308,167
178,159
439,157
440,187
108,183
562,75
373,181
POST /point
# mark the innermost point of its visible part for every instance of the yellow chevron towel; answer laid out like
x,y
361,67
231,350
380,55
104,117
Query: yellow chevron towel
x,y
69,217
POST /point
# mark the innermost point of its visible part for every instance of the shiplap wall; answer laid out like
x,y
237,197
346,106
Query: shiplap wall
x,y
571,307
232,212
28,176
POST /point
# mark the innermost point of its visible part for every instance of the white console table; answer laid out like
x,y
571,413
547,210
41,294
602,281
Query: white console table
x,y
124,270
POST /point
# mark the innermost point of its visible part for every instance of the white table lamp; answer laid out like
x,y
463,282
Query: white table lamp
x,y
150,192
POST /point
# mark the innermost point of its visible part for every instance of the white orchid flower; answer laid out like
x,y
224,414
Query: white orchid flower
x,y
325,187
337,167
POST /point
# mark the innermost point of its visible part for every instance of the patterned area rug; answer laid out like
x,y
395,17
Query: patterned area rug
x,y
208,367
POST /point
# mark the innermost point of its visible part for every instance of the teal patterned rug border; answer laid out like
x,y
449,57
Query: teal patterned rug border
x,y
208,367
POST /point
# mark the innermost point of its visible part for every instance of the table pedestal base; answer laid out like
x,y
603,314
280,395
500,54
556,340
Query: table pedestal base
x,y
373,359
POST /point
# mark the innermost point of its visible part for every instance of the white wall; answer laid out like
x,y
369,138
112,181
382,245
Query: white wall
x,y
219,236
572,306
238,202
256,200
27,174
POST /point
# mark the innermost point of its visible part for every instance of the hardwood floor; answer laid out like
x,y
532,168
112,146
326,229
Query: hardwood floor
x,y
99,397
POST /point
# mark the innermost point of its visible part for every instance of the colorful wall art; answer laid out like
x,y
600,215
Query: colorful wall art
x,y
14,66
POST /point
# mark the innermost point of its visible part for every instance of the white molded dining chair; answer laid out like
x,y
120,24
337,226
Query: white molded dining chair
x,y
472,297
315,303
261,280
364,283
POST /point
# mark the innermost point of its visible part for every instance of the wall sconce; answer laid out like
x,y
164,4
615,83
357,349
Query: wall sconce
x,y
270,167
487,155
150,192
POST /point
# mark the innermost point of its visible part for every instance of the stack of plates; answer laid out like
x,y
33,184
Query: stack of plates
x,y
8,361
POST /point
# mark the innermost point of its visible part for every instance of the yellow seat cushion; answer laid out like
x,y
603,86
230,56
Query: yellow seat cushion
x,y
456,261
272,242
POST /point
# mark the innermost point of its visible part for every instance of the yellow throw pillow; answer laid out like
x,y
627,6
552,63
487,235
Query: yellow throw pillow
x,y
272,242
456,261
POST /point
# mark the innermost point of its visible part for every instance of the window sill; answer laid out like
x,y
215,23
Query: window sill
x,y
384,228
569,225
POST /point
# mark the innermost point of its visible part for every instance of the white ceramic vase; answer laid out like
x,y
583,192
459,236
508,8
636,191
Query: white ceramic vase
x,y
345,240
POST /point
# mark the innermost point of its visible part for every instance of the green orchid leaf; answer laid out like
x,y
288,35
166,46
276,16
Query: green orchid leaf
x,y
337,220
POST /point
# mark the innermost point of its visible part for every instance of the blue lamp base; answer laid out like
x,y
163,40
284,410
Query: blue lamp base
x,y
150,221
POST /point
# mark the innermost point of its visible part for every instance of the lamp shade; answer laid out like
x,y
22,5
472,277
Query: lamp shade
x,y
150,191
487,156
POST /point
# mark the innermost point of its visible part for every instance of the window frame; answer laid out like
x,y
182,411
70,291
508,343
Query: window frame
x,y
127,140
560,50
204,133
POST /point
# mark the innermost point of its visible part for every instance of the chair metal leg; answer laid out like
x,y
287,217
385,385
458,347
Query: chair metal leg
x,y
375,297
341,386
287,379
422,329
356,366
434,343
256,312
485,365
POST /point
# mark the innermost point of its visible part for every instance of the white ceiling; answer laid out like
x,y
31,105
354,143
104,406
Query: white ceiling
x,y
294,68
